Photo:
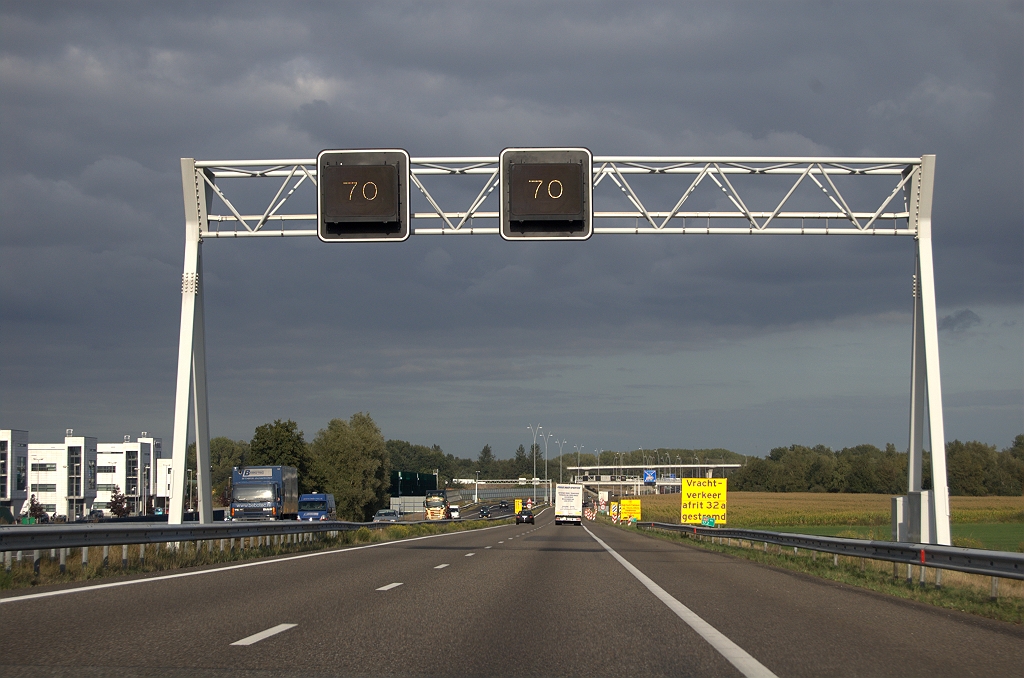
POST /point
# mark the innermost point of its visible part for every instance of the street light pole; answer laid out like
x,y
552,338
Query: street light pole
x,y
546,437
560,461
476,490
533,480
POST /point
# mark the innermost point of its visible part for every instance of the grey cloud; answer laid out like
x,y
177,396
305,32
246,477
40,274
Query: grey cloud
x,y
960,321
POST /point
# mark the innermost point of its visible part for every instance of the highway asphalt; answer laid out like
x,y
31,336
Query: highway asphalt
x,y
509,600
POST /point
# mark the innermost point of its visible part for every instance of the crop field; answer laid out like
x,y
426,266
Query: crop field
x,y
980,522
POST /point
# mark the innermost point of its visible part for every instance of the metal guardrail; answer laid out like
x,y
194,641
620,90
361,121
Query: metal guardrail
x,y
975,561
32,537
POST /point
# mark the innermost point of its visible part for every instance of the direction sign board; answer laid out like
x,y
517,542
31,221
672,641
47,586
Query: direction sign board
x,y
650,476
703,498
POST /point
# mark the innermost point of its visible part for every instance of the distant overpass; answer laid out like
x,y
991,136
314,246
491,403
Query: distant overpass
x,y
630,478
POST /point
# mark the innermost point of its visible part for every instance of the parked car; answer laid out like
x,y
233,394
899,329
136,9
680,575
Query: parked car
x,y
525,516
485,512
386,516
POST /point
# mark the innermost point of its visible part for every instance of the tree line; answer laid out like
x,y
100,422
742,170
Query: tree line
x,y
352,460
972,468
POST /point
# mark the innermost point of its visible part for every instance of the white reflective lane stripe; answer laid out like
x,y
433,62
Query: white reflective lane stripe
x,y
470,554
735,654
257,637
441,566
487,547
390,586
226,568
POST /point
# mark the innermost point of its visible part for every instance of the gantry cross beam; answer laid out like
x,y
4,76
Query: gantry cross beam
x,y
661,195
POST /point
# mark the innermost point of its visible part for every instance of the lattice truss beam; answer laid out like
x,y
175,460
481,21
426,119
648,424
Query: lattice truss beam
x,y
659,195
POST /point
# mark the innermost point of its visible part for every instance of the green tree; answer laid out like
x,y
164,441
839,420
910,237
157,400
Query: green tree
x,y
118,503
225,455
35,509
966,464
350,460
282,444
485,460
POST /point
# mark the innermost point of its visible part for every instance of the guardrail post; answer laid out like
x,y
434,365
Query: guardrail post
x,y
63,561
53,554
19,557
222,546
995,588
142,555
124,557
921,580
232,544
7,561
85,557
35,561
106,555
910,574
835,560
938,577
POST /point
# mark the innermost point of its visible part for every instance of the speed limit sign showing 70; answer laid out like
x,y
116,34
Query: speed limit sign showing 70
x,y
546,193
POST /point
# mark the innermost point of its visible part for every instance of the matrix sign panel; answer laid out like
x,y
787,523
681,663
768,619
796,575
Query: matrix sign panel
x,y
362,195
703,501
546,194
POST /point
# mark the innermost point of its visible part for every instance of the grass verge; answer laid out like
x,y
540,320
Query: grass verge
x,y
960,591
160,558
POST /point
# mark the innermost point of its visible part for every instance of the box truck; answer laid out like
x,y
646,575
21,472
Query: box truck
x,y
568,504
264,493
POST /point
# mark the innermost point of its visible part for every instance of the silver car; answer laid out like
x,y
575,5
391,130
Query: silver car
x,y
386,516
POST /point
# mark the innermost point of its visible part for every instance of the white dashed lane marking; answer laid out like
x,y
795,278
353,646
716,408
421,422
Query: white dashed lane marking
x,y
470,554
257,637
441,566
390,586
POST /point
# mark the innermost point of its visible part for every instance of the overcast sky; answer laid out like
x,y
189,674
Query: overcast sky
x,y
615,343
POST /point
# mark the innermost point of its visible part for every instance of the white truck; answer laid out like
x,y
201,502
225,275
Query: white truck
x,y
568,504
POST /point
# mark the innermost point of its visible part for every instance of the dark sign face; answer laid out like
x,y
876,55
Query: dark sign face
x,y
367,191
546,190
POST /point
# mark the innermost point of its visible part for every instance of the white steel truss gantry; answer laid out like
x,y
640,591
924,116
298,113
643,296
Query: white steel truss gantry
x,y
749,200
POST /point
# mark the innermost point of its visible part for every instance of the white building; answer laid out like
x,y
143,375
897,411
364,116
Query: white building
x,y
127,466
62,476
13,470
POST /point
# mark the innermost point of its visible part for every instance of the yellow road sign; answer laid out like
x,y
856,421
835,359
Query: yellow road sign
x,y
703,498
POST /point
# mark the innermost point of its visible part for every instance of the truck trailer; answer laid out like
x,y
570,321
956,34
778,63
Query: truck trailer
x,y
264,493
568,504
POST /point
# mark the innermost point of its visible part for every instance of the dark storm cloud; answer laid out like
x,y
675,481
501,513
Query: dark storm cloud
x,y
99,100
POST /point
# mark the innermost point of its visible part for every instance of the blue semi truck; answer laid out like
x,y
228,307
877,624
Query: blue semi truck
x,y
317,506
264,493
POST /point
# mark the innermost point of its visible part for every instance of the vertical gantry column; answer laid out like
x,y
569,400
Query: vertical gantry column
x,y
926,387
191,353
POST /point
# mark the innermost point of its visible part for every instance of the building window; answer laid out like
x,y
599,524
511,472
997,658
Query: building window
x,y
132,473
106,469
74,471
92,474
21,475
106,487
44,487
49,508
101,505
3,469
44,467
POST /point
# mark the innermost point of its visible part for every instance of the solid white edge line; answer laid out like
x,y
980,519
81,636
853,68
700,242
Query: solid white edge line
x,y
392,585
735,654
257,637
144,580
